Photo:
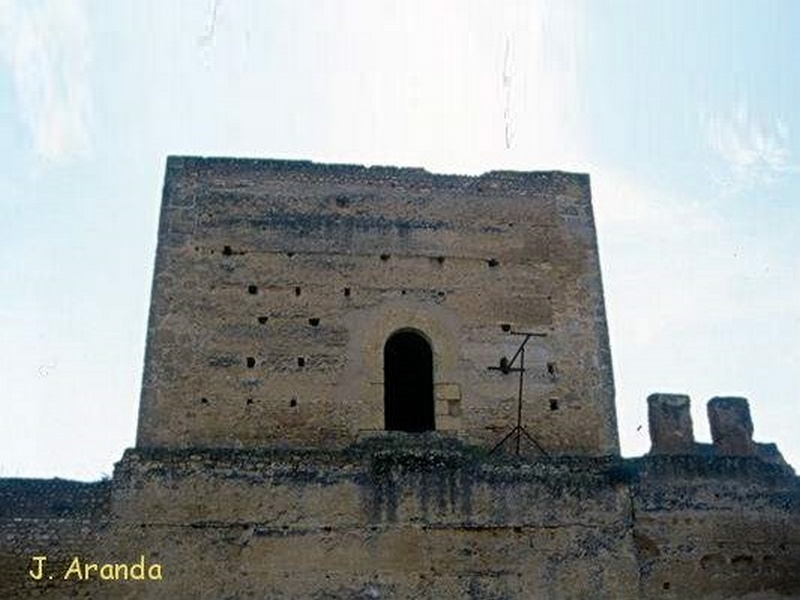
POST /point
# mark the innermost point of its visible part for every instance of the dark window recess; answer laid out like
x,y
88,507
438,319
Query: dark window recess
x,y
492,262
249,401
263,320
347,292
551,369
293,402
203,400
506,327
408,383
301,362
385,256
440,260
252,289
227,251
313,321
297,291
251,362
553,403
290,254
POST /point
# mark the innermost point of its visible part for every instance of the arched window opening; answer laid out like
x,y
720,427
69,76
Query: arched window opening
x,y
408,383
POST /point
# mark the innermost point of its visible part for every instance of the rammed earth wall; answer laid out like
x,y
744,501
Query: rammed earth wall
x,y
399,519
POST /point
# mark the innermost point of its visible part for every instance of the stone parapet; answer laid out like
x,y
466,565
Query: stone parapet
x,y
421,516
670,423
731,426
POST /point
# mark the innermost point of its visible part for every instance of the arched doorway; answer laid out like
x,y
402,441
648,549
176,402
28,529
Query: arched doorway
x,y
408,383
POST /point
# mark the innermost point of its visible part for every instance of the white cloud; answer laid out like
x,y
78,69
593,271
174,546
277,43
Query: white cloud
x,y
46,47
754,152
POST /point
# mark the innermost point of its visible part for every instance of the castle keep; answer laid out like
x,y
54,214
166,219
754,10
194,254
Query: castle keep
x,y
331,362
283,289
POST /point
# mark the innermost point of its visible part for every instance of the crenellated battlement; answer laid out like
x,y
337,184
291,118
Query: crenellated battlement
x,y
671,430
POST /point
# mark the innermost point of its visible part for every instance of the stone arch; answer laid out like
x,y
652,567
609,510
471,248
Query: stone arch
x,y
364,376
408,382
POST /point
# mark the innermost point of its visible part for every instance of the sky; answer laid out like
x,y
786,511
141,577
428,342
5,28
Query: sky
x,y
685,114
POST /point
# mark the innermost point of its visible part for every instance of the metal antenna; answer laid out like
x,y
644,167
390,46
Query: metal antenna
x,y
506,367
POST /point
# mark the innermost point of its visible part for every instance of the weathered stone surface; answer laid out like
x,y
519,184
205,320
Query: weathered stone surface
x,y
670,424
416,516
290,262
731,426
714,527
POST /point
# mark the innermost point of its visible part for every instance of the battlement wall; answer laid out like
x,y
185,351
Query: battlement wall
x,y
54,518
375,483
671,430
396,518
716,526
429,518
53,498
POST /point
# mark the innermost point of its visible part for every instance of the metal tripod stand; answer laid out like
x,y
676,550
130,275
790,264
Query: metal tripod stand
x,y
506,367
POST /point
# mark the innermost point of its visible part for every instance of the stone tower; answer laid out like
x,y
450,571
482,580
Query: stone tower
x,y
311,305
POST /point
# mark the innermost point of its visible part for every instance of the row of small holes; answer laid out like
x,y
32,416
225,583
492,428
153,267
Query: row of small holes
x,y
292,402
313,321
492,262
253,290
251,362
301,362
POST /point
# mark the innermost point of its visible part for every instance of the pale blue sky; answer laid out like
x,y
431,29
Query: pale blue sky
x,y
686,115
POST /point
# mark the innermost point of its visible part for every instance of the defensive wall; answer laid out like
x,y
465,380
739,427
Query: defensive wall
x,y
422,516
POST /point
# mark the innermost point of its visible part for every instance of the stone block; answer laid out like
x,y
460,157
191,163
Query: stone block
x,y
731,426
670,423
448,391
447,423
454,408
441,407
